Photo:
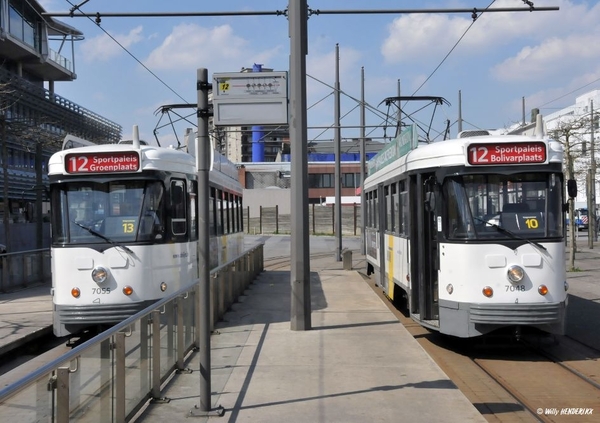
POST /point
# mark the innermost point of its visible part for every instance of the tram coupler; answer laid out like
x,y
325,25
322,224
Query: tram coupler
x,y
517,333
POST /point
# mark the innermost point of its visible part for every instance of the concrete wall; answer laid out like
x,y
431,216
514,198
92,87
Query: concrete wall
x,y
268,197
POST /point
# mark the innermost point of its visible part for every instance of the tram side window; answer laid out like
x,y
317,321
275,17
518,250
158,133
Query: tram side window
x,y
237,201
219,211
240,214
403,209
228,211
193,213
389,217
394,207
366,207
178,208
233,205
212,213
375,210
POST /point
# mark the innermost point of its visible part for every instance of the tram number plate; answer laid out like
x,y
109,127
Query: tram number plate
x,y
97,291
515,288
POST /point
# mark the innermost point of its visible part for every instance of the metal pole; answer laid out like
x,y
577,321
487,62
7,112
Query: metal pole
x,y
337,215
460,119
39,227
363,160
300,265
203,166
592,212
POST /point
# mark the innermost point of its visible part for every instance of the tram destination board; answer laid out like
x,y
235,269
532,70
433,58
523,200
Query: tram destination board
x,y
482,154
110,162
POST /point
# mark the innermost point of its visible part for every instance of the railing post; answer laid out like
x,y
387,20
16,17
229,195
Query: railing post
x,y
197,317
333,219
179,305
120,377
248,220
144,353
313,218
62,395
155,392
355,215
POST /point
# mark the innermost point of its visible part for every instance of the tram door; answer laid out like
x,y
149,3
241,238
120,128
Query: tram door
x,y
425,203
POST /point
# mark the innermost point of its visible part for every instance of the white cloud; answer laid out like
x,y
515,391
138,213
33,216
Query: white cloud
x,y
418,37
190,44
550,99
429,37
46,4
551,57
103,48
217,48
322,67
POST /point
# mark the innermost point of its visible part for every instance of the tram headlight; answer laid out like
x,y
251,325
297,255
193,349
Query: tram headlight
x,y
450,288
99,274
163,286
75,292
488,291
127,290
566,286
515,274
543,289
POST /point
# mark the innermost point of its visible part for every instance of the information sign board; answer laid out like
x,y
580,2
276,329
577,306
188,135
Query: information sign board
x,y
250,98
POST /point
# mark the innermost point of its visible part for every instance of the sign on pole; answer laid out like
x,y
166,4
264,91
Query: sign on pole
x,y
250,98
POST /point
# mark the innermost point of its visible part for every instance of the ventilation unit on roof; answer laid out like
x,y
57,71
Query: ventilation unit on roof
x,y
473,133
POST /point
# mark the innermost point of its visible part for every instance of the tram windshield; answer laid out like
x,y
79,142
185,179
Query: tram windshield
x,y
528,205
117,211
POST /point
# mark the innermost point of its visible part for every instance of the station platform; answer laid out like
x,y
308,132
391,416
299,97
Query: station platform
x,y
357,362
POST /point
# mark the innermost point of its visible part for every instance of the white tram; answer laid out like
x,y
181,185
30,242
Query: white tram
x,y
125,229
469,232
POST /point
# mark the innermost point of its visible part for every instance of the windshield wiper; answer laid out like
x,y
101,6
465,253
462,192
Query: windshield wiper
x,y
511,234
99,235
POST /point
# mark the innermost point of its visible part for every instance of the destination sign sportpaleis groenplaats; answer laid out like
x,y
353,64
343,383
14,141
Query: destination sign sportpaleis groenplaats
x,y
127,161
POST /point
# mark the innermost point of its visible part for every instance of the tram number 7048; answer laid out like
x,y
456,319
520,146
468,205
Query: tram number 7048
x,y
515,288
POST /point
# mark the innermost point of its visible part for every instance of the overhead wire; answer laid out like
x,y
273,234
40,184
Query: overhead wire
x,y
127,51
453,47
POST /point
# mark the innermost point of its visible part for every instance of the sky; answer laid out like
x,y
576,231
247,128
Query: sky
x,y
502,59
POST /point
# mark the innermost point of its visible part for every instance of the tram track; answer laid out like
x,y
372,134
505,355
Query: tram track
x,y
534,379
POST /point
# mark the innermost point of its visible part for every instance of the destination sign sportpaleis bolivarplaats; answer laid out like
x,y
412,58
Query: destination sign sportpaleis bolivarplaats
x,y
127,161
506,153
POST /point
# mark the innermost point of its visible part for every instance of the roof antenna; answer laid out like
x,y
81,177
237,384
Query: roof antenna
x,y
136,137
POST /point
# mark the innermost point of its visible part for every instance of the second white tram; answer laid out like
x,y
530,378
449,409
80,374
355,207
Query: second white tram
x,y
125,229
470,233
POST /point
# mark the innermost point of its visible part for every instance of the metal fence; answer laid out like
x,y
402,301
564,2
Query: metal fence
x,y
141,353
321,220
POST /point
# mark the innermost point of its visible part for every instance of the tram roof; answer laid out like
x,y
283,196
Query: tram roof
x,y
454,153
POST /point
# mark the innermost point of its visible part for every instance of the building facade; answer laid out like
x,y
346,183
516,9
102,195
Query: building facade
x,y
586,132
34,119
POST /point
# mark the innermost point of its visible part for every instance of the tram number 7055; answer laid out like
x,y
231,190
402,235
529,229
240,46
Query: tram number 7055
x,y
97,291
515,288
